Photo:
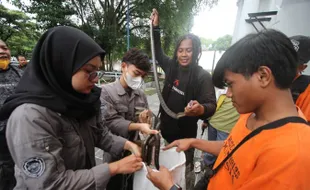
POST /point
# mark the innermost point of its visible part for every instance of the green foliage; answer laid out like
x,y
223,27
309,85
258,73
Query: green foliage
x,y
48,13
105,20
17,30
222,43
206,43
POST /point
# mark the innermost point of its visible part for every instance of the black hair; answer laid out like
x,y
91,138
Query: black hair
x,y
138,58
196,47
191,86
21,56
269,48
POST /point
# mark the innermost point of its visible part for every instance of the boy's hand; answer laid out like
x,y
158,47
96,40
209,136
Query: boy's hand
x,y
161,179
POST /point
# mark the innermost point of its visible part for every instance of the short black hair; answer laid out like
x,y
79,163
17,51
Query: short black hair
x,y
269,48
21,56
138,58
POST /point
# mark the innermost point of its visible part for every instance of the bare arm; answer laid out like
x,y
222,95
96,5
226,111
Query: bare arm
x,y
212,147
162,59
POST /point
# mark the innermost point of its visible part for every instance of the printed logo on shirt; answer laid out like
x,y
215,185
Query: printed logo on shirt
x,y
34,167
230,164
6,85
176,82
178,90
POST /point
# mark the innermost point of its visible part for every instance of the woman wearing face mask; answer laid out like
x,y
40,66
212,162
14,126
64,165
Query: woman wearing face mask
x,y
54,118
122,99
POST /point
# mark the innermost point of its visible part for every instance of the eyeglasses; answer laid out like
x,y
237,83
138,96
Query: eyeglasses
x,y
94,75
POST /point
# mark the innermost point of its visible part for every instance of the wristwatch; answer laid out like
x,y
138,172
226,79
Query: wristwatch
x,y
175,187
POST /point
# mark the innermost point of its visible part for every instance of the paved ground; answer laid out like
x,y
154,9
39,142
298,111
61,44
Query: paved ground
x,y
154,106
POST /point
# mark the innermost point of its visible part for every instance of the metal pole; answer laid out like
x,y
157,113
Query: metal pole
x,y
213,63
127,26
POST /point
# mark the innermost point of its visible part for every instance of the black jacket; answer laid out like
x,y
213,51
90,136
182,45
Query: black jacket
x,y
8,81
202,91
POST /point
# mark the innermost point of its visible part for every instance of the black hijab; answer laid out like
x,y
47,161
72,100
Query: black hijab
x,y
60,52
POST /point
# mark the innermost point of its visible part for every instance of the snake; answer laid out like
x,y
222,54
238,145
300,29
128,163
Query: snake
x,y
151,145
160,97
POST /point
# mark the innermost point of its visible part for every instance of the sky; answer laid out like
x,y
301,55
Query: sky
x,y
216,22
8,5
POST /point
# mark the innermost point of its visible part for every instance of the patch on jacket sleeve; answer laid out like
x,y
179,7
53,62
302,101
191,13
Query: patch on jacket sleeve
x,y
34,167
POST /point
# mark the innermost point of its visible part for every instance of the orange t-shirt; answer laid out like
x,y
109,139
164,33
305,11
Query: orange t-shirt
x,y
303,102
274,159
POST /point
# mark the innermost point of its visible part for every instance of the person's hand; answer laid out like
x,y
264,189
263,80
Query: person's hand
x,y
133,148
126,165
162,179
155,17
193,108
144,117
145,129
204,125
182,145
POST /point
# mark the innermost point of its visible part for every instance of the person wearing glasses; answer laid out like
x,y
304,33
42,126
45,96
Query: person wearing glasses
x,y
54,119
124,106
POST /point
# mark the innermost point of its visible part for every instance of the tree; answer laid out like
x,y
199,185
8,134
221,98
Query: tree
x,y
13,22
105,20
206,43
48,13
222,43
17,30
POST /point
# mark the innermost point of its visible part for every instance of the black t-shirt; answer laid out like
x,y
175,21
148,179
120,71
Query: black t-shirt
x,y
173,129
203,92
8,81
177,92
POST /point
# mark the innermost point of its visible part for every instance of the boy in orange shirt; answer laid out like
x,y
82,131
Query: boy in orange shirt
x,y
301,86
258,71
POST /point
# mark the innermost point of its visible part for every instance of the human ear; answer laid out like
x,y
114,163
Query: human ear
x,y
265,76
123,66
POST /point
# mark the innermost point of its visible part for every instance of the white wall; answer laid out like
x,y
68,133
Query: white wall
x,y
242,28
206,59
292,18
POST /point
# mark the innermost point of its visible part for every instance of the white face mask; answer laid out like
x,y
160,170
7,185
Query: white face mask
x,y
133,82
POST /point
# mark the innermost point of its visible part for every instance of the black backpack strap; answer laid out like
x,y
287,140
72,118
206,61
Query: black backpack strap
x,y
272,125
299,86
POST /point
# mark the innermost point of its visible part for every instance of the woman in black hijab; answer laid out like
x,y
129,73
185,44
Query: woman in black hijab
x,y
54,118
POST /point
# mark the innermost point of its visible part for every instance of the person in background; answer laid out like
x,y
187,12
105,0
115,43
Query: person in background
x,y
301,85
9,78
221,123
120,103
258,71
54,116
22,61
188,88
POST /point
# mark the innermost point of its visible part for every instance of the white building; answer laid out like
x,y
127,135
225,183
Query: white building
x,y
291,17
